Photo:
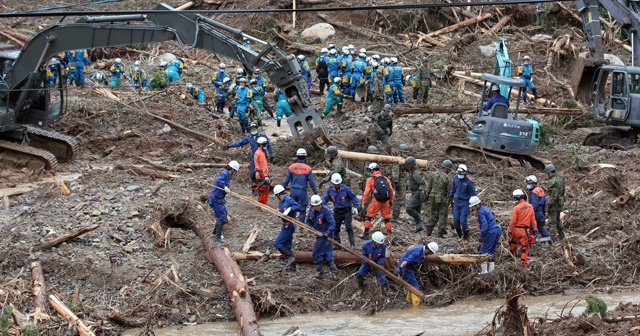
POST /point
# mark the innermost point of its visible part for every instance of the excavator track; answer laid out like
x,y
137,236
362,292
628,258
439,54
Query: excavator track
x,y
506,160
62,146
33,158
604,136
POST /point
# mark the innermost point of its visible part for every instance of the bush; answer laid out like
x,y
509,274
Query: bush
x,y
158,81
595,305
545,131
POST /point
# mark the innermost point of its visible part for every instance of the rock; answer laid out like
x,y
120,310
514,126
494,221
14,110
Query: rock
x,y
167,57
613,59
319,31
287,28
164,130
133,188
542,37
30,201
489,50
175,316
109,196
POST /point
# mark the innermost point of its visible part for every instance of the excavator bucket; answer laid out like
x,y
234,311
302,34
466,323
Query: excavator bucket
x,y
582,78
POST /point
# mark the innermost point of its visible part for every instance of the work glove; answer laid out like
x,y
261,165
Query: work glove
x,y
536,233
272,160
286,211
324,235
227,190
354,211
396,271
267,180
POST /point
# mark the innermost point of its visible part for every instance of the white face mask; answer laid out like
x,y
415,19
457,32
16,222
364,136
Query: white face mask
x,y
460,176
529,187
254,132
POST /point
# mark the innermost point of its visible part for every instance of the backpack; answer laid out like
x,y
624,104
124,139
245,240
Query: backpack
x,y
381,189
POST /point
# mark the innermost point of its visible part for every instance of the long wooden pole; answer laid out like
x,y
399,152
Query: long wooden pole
x,y
359,256
378,158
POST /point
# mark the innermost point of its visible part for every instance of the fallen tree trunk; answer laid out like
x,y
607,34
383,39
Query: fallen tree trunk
x,y
65,312
63,238
369,34
206,165
147,172
378,158
501,23
12,39
39,292
459,25
122,320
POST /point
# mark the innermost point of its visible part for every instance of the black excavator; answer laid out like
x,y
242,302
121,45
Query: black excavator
x,y
27,101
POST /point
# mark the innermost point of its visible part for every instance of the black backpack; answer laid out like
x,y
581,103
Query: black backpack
x,y
381,189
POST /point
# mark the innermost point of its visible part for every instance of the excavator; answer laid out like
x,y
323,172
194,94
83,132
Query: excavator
x,y
614,90
27,102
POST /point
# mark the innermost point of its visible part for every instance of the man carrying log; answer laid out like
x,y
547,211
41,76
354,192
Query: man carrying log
x,y
376,250
409,262
216,197
490,233
345,206
284,241
337,166
321,219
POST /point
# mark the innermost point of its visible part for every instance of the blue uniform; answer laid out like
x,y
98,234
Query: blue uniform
x,y
414,257
70,56
300,176
172,72
343,200
220,94
395,79
527,77
461,191
358,71
345,69
282,105
81,60
116,75
538,200
496,98
139,78
377,254
252,140
243,100
490,232
306,73
52,74
197,94
334,97
284,239
257,99
333,67
216,196
322,221
218,77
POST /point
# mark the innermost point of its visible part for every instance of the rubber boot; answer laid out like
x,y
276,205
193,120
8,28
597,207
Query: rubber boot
x,y
459,232
492,266
535,94
290,264
337,239
278,122
364,235
483,266
360,285
334,270
352,240
339,109
465,235
219,238
319,271
430,231
419,227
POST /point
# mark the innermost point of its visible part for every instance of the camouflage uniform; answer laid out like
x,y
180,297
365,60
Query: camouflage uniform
x,y
337,166
365,175
424,82
380,123
377,96
399,177
555,203
417,186
437,194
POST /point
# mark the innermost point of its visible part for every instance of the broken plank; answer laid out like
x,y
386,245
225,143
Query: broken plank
x,y
63,238
252,237
68,315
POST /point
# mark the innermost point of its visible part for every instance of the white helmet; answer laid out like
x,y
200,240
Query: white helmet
x,y
387,60
376,57
316,200
407,78
337,79
278,189
345,50
136,63
301,57
433,246
222,66
526,58
373,166
226,80
189,86
394,60
495,88
374,64
336,178
474,200
531,179
234,165
363,55
324,50
99,75
333,52
378,237
301,152
351,47
363,50
262,141
462,169
163,64
118,60
331,46
518,194
240,71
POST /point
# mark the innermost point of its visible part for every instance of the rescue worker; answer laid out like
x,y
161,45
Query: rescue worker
x,y
64,66
100,78
337,166
252,140
526,74
216,197
195,93
52,72
306,70
81,61
522,219
334,97
245,42
555,201
284,241
116,73
396,77
221,94
418,187
365,167
333,65
172,72
377,94
282,106
331,46
242,102
410,261
219,76
322,70
399,176
424,81
380,191
139,77
345,69
321,219
257,96
70,56
383,127
437,195
345,206
262,180
495,98
358,71
262,82
376,250
300,176
490,233
179,64
538,200
462,188
230,95
240,73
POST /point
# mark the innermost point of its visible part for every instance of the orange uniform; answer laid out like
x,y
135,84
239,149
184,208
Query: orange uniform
x,y
522,218
262,171
376,206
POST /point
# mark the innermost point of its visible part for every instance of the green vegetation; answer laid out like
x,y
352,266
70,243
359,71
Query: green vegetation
x,y
175,158
5,320
158,81
305,40
30,330
577,161
595,305
545,131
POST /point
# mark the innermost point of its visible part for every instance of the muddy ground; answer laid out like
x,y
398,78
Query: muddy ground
x,y
602,235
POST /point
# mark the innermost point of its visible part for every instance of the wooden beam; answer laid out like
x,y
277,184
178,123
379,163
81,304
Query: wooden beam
x,y
65,312
460,25
63,238
378,158
39,292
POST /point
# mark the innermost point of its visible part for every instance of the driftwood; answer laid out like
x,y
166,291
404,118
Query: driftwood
x,y
19,36
459,25
65,312
378,158
156,187
197,165
39,292
185,5
501,23
122,320
155,164
146,172
63,238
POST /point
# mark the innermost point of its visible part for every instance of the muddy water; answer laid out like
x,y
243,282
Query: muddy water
x,y
461,318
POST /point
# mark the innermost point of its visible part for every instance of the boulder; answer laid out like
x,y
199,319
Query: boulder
x,y
319,31
489,50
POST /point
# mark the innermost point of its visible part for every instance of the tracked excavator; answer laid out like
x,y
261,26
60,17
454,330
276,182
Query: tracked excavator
x,y
614,90
27,101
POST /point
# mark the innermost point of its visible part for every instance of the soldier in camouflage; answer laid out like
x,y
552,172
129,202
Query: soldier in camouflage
x,y
399,177
377,94
555,199
424,80
337,166
383,127
418,187
437,194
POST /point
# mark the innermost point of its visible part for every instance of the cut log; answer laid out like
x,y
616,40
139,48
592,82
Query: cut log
x,y
65,312
39,292
157,187
19,36
460,25
147,172
185,5
501,23
238,289
122,320
155,164
378,158
63,238
354,174
197,165
12,39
